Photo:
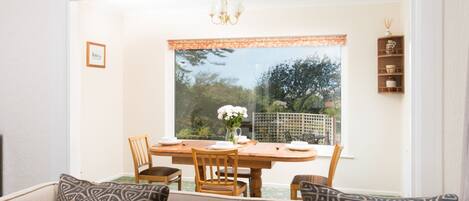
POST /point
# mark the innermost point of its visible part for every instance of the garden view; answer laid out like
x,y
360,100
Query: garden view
x,y
278,86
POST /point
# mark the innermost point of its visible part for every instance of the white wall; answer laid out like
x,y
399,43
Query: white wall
x,y
372,122
100,113
33,91
455,76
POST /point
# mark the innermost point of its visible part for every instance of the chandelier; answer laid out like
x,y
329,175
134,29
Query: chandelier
x,y
226,12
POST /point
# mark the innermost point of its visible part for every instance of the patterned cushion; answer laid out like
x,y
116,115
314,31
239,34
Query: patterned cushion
x,y
315,192
72,189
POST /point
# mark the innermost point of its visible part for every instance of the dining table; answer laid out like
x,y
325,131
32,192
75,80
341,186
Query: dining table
x,y
254,155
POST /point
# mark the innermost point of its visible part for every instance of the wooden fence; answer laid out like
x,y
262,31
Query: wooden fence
x,y
286,127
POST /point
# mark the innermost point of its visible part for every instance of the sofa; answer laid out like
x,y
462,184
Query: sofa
x,y
48,192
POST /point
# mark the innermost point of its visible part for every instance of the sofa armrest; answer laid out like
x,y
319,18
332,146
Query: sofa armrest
x,y
41,192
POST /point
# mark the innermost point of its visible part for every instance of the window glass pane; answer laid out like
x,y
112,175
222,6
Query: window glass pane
x,y
291,93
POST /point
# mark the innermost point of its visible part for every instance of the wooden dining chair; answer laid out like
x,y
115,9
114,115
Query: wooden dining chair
x,y
242,173
316,179
207,181
143,164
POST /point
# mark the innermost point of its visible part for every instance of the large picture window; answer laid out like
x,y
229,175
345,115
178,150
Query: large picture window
x,y
291,93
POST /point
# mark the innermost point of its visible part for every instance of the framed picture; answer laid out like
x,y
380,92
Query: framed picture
x,y
95,55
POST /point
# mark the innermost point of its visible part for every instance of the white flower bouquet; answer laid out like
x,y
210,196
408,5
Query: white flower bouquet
x,y
232,116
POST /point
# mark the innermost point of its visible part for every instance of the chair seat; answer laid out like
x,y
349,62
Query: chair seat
x,y
309,178
242,172
159,171
240,185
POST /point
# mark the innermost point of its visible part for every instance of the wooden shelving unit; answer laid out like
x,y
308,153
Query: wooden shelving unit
x,y
391,56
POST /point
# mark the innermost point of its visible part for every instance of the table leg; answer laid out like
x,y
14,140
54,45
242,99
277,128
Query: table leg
x,y
256,182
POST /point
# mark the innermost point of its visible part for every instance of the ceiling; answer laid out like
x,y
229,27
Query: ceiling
x,y
248,4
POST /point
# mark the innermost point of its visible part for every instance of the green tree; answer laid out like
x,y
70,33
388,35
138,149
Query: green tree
x,y
195,58
304,84
199,96
198,57
200,101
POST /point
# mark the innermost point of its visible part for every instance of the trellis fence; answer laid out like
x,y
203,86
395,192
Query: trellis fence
x,y
285,127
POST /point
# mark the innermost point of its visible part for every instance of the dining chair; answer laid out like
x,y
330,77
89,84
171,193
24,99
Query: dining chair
x,y
143,164
316,179
207,181
242,173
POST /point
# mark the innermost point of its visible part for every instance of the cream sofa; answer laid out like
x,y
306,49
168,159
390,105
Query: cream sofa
x,y
48,192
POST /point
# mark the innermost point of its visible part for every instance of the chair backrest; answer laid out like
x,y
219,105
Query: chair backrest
x,y
140,146
215,159
334,161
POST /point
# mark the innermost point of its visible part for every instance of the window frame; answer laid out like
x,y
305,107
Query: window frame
x,y
323,150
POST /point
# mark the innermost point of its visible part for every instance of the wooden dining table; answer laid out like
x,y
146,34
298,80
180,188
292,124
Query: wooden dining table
x,y
253,155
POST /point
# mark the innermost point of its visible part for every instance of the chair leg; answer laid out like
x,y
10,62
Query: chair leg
x,y
180,183
250,185
293,193
245,193
137,180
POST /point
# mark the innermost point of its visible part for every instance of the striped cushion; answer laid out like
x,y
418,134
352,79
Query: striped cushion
x,y
315,192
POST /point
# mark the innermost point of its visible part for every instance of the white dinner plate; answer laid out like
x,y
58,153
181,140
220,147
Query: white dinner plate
x,y
243,141
223,147
172,142
295,147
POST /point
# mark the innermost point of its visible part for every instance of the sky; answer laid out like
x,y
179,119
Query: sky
x,y
246,65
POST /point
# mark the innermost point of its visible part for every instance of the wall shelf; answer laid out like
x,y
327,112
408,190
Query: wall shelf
x,y
391,56
390,89
390,74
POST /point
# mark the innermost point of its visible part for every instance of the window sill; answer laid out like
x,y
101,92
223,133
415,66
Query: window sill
x,y
325,151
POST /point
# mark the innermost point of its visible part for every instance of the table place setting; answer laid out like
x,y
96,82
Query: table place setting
x,y
167,141
299,146
243,139
224,145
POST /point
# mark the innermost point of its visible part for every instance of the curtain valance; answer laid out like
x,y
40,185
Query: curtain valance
x,y
329,40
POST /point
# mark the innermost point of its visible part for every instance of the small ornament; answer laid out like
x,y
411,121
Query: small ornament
x,y
391,83
387,24
390,68
390,47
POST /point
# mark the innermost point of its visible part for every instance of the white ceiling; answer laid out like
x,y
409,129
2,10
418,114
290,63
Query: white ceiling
x,y
248,4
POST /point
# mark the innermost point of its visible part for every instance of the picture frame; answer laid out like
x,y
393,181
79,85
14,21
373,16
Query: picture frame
x,y
95,55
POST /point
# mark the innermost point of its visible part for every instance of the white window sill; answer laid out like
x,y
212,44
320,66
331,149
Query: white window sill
x,y
326,152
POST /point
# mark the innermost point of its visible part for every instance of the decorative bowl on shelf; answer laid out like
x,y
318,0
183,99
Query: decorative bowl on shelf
x,y
390,68
391,83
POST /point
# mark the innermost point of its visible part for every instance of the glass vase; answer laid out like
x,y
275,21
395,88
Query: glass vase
x,y
232,134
